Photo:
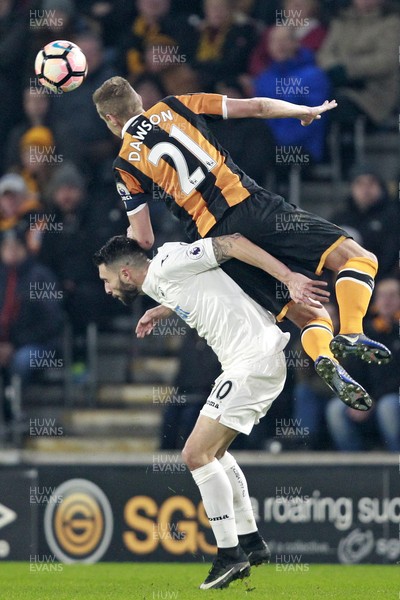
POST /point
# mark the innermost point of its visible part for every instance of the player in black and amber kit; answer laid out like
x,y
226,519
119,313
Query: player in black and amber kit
x,y
170,148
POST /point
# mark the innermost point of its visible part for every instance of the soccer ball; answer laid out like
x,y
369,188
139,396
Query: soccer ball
x,y
61,65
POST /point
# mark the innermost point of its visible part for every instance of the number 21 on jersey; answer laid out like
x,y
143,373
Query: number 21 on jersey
x,y
188,181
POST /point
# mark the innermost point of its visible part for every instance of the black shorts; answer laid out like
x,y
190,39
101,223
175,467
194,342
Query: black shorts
x,y
300,239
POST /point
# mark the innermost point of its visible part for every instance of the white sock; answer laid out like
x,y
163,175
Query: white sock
x,y
244,515
217,495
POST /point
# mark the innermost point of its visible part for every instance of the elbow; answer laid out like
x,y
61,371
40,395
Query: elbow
x,y
262,107
146,243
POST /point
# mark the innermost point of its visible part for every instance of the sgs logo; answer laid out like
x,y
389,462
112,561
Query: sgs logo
x,y
175,525
79,529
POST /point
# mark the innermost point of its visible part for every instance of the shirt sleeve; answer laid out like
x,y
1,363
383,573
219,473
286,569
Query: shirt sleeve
x,y
185,260
131,192
210,105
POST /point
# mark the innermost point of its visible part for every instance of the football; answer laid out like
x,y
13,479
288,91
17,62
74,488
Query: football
x,y
61,65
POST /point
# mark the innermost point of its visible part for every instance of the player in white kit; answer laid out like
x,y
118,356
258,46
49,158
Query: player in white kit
x,y
185,278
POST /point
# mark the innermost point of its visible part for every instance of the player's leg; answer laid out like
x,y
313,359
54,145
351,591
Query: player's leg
x,y
249,537
238,401
207,439
316,337
356,269
303,240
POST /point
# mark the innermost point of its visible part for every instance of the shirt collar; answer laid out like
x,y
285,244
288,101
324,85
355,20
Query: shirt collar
x,y
128,123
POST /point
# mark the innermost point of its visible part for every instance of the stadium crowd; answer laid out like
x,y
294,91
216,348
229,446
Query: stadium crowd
x,y
58,203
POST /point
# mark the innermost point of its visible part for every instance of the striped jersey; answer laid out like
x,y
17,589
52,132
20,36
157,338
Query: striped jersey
x,y
169,154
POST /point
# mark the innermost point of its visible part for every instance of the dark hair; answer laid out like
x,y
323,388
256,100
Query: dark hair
x,y
117,248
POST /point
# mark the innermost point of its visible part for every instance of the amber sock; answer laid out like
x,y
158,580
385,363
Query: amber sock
x,y
315,338
354,287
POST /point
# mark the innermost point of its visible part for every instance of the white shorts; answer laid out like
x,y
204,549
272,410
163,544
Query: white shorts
x,y
243,395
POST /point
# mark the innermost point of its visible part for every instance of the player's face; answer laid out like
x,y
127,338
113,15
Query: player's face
x,y
125,292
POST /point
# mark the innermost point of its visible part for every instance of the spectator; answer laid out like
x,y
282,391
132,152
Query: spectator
x,y
151,89
30,318
349,430
83,228
35,114
152,22
74,118
360,56
109,18
244,13
13,48
20,210
372,218
267,12
37,158
223,46
162,59
294,77
303,16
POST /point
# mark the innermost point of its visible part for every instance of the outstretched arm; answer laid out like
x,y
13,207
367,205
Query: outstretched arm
x,y
302,289
269,108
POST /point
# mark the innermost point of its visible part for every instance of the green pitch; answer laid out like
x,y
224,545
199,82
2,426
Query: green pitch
x,y
177,581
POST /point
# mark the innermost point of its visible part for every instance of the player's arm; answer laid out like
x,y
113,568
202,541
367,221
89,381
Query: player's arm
x,y
150,318
269,108
302,289
140,228
137,210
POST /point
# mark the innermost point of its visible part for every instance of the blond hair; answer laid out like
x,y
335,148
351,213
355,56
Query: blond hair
x,y
116,97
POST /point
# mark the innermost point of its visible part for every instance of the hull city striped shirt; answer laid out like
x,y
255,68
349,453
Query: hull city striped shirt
x,y
169,154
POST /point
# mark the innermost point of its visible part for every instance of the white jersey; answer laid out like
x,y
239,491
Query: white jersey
x,y
187,279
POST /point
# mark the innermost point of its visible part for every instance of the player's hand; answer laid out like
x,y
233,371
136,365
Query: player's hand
x,y
150,318
129,233
315,112
304,290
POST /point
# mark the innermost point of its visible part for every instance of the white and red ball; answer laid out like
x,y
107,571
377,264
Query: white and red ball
x,y
61,65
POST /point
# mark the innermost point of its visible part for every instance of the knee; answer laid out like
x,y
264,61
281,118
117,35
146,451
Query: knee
x,y
300,314
358,251
346,251
369,255
193,457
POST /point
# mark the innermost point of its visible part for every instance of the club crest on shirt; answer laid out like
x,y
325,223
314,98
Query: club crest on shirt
x,y
195,252
123,191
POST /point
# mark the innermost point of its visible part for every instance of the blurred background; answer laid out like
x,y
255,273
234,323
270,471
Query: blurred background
x,y
68,355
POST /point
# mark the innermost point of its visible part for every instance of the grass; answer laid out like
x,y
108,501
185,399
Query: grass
x,y
180,581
